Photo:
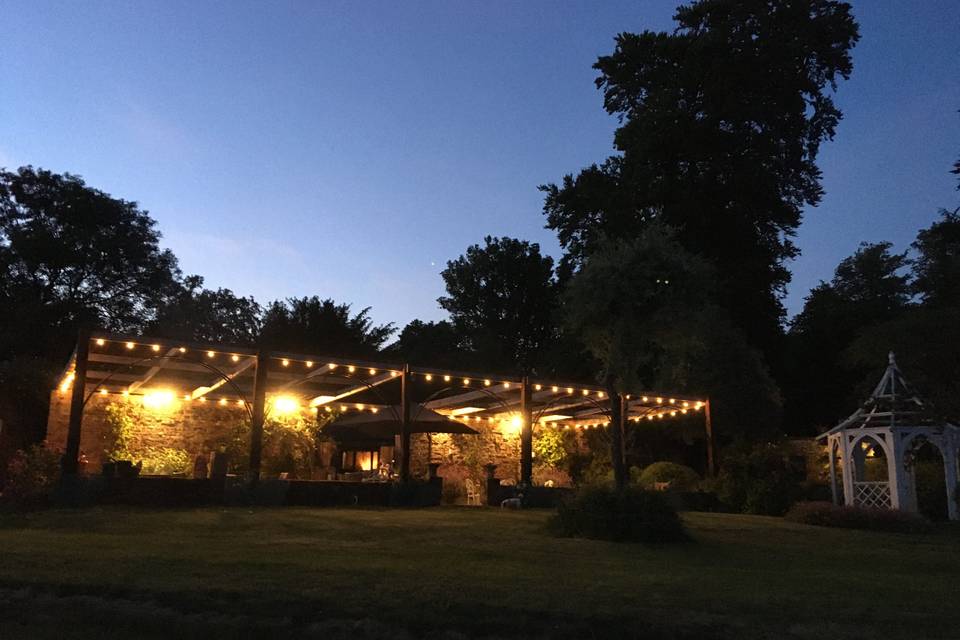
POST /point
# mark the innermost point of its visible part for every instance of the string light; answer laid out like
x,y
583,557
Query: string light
x,y
100,342
374,410
309,364
538,387
659,400
223,401
155,347
203,399
130,345
103,392
586,392
600,395
186,397
394,374
672,400
466,382
373,372
446,378
644,398
569,390
332,366
506,385
486,383
210,354
555,389
235,357
428,377
183,349
240,402
285,362
351,368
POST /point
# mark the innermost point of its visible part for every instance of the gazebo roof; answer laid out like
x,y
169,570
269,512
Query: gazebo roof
x,y
893,403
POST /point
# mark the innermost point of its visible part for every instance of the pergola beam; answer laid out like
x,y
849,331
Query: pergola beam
x,y
373,382
149,375
199,392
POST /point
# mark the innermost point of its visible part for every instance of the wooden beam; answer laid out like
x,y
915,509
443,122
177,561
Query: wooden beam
x,y
256,421
374,382
526,433
405,388
72,448
199,392
711,445
149,375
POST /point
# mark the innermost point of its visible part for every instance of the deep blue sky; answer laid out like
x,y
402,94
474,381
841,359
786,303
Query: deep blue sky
x,y
349,149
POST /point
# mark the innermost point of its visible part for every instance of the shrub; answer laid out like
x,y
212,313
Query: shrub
x,y
165,461
601,512
31,476
680,477
827,514
759,479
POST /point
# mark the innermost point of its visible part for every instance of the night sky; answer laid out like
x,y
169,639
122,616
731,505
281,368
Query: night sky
x,y
350,149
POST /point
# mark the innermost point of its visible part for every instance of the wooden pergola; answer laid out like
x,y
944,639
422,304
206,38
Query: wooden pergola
x,y
261,380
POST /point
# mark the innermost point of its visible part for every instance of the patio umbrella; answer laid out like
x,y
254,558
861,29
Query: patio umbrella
x,y
385,424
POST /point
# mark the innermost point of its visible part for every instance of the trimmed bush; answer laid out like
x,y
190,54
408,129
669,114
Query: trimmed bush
x,y
827,514
601,512
680,477
31,477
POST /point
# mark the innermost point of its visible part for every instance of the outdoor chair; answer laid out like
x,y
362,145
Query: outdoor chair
x,y
473,492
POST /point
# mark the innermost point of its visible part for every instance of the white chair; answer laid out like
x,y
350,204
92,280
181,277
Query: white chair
x,y
473,492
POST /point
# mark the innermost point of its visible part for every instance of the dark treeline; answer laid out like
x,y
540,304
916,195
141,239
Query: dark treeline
x,y
674,265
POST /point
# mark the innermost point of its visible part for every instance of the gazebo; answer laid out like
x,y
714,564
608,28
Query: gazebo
x,y
875,448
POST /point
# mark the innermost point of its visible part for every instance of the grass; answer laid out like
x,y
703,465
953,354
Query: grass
x,y
459,573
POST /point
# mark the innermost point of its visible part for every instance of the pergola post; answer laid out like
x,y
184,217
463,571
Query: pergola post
x,y
617,430
832,455
711,442
405,388
72,449
526,432
259,410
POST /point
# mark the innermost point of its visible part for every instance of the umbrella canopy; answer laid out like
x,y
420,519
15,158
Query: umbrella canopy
x,y
385,424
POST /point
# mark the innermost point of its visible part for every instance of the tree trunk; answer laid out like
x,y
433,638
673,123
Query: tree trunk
x,y
616,437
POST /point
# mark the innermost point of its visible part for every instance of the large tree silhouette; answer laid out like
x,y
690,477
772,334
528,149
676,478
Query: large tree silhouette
x,y
721,123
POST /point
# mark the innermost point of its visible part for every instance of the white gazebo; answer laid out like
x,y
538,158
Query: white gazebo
x,y
892,424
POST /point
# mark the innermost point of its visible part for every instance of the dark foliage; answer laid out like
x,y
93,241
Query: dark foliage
x,y
827,514
602,512
502,300
312,325
722,120
202,315
868,289
759,478
434,343
31,476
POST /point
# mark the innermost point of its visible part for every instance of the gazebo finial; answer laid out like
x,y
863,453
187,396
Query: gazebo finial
x,y
891,359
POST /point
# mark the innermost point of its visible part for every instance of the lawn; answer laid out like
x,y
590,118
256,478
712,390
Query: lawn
x,y
460,573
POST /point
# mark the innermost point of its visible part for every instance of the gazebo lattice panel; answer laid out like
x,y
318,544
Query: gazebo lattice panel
x,y
872,495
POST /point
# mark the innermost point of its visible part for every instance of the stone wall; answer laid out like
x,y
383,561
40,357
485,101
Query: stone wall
x,y
202,427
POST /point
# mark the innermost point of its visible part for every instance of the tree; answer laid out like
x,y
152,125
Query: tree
x,y
722,121
203,315
502,299
937,266
434,343
73,256
323,327
869,288
630,302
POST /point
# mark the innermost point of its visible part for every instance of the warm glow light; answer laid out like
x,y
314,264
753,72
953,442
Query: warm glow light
x,y
285,362
374,410
210,354
309,364
446,378
466,382
100,342
373,372
644,398
486,383
235,357
672,401
394,374
186,397
360,406
332,365
223,402
600,395
586,392
569,390
465,410
683,411
506,385
157,400
130,345
553,417
285,404
538,387
555,389
686,404
428,377
155,347
203,399
240,402
659,400
183,349
103,392
321,400
351,368
126,393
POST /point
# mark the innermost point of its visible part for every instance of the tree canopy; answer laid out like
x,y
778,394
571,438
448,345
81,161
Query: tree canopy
x,y
502,299
312,325
721,123
203,315
70,256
